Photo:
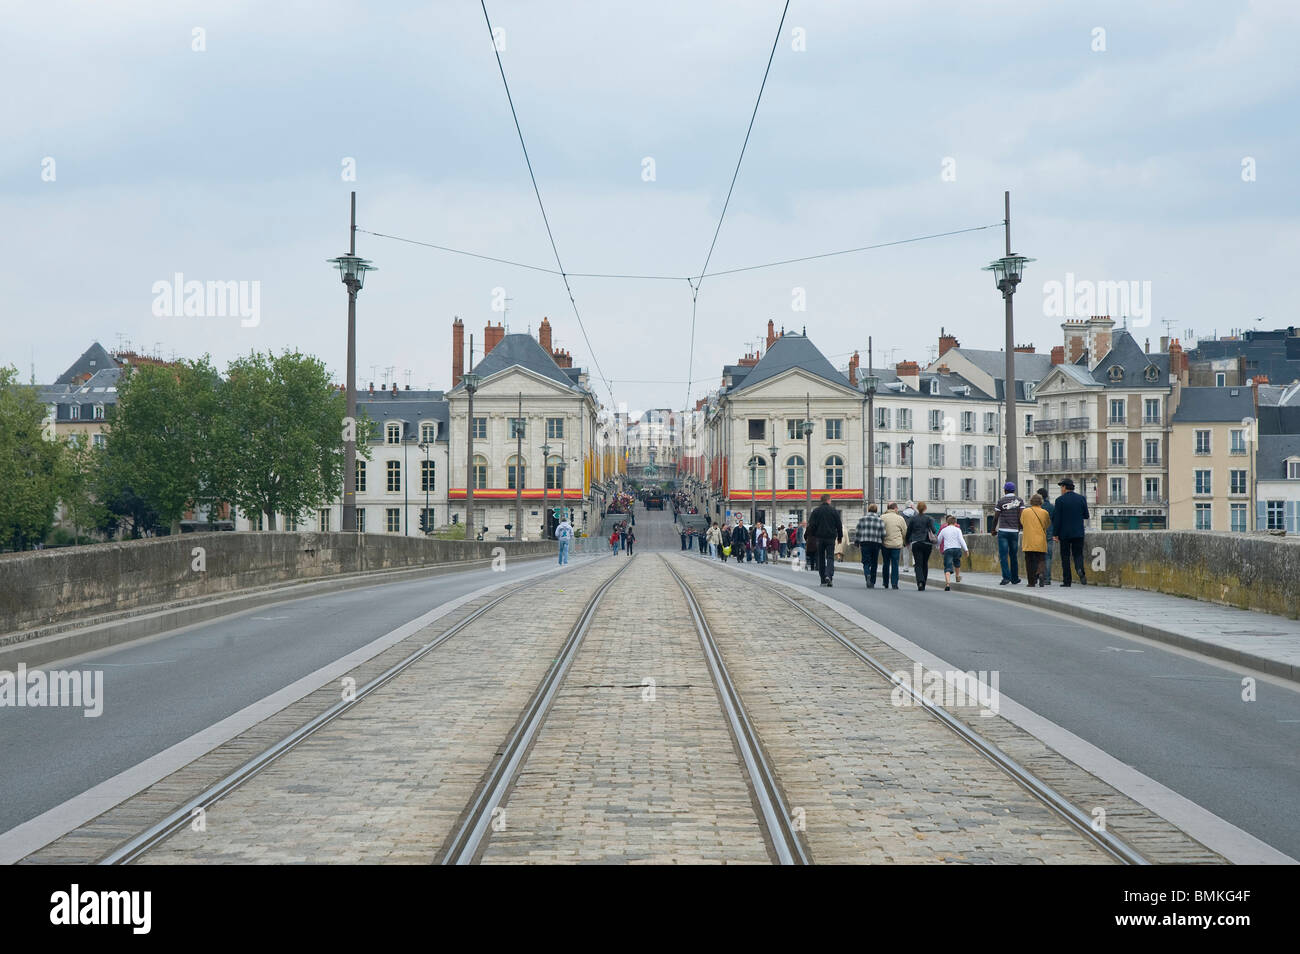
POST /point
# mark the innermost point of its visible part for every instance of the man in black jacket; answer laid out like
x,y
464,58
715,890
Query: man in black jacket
x,y
825,527
739,537
1068,515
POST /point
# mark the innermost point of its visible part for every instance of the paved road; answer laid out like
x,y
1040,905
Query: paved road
x,y
159,692
1181,720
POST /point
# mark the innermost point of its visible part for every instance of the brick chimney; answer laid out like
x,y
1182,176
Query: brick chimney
x,y
457,351
947,343
544,335
1024,349
853,370
909,372
563,359
748,361
1076,336
492,336
771,333
1058,354
1099,339
1178,362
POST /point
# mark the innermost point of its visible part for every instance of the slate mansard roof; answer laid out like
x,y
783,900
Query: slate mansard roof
x,y
787,352
411,407
522,350
1211,405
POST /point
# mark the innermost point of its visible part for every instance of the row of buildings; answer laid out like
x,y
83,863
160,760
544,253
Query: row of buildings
x,y
1153,439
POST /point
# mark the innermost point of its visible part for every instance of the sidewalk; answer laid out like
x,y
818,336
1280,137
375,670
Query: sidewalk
x,y
1260,641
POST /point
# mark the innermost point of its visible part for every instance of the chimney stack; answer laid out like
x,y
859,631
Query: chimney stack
x,y
1058,354
1147,349
457,351
1075,337
947,343
1177,362
1024,349
1164,343
771,333
1099,339
909,372
544,335
492,336
853,368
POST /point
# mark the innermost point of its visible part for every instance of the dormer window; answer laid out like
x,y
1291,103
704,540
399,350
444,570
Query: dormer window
x,y
1152,373
1116,373
934,386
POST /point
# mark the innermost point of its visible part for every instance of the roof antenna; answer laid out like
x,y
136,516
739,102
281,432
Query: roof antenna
x,y
805,331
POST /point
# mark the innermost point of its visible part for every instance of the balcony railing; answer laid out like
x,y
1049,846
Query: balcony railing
x,y
1063,465
1153,499
1119,462
1202,453
1042,427
1076,424
968,465
1152,421
1150,461
1117,499
1238,452
1117,421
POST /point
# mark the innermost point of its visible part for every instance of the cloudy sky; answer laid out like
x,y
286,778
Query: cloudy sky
x,y
1150,143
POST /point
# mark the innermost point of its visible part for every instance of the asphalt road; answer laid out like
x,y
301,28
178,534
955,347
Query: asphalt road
x,y
1180,720
161,691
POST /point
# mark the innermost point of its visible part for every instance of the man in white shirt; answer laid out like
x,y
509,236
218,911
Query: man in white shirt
x,y
564,533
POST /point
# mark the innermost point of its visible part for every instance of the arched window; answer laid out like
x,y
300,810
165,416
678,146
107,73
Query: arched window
x,y
516,470
757,468
794,473
834,472
553,464
480,472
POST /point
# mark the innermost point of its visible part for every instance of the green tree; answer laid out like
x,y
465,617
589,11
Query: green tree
x,y
79,489
29,466
160,438
281,436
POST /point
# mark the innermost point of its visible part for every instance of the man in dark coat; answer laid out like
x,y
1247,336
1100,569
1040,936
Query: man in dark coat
x,y
1068,515
739,537
825,527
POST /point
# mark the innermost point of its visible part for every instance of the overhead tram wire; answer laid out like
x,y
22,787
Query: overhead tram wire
x,y
695,285
541,205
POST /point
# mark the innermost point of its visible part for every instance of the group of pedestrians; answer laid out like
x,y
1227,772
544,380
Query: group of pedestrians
x,y
622,538
1034,528
883,538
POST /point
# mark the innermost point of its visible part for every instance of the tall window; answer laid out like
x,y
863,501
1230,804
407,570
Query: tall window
x,y
1275,514
99,412
968,455
1203,483
794,429
756,470
394,476
480,469
1204,520
834,472
882,454
361,477
882,418
516,473
936,488
427,475
904,418
1293,470
990,422
968,489
99,440
882,488
361,520
968,421
904,488
936,420
74,412
1151,411
393,433
478,429
1238,514
393,520
1029,424
518,427
1237,481
428,433
834,429
1117,411
1202,442
936,455
794,473
1151,490
1117,455
1238,441
904,453
1117,490
555,428
553,464
757,429
990,456
323,520
426,519
1151,452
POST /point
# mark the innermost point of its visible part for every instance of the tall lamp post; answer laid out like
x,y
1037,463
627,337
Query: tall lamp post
x,y
352,270
519,470
872,383
911,462
1007,272
753,472
546,475
771,451
471,382
807,462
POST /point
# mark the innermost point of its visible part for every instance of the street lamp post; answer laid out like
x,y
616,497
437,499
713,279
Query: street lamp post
x,y
872,383
807,461
911,462
406,485
771,450
546,515
1007,272
753,471
352,271
471,382
519,470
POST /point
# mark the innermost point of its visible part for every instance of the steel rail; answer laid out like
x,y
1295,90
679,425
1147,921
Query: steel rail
x,y
468,840
1054,800
178,819
773,811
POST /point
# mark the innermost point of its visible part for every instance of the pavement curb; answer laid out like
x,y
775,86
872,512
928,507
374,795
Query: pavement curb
x,y
1273,667
117,629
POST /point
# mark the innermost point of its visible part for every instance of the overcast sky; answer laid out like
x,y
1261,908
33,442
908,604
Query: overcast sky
x,y
1129,163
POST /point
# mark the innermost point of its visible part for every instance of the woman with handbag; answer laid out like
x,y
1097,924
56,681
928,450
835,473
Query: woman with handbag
x,y
921,537
1036,530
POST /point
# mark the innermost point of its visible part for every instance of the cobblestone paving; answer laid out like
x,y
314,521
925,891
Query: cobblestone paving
x,y
624,773
873,782
387,781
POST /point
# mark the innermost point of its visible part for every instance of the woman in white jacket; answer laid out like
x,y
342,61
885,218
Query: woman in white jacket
x,y
953,545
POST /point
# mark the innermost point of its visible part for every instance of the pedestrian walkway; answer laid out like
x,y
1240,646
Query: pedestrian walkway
x,y
1256,640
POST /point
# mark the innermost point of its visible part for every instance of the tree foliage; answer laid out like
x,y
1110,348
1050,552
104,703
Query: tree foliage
x,y
29,466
